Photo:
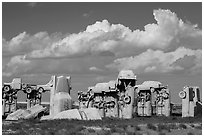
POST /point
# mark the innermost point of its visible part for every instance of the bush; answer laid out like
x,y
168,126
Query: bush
x,y
113,129
189,133
163,127
173,126
151,126
130,129
91,130
123,126
119,130
198,127
106,132
174,118
192,125
137,128
182,126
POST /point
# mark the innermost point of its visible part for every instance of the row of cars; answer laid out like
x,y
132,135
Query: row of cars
x,y
60,99
17,85
10,90
123,98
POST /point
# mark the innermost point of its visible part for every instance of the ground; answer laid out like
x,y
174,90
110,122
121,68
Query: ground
x,y
174,125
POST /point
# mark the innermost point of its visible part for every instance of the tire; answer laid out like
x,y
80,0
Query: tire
x,y
6,88
182,94
127,99
28,90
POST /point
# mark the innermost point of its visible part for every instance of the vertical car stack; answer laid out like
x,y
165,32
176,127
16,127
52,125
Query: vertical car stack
x,y
191,101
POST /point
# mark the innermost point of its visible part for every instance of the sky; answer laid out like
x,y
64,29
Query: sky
x,y
92,42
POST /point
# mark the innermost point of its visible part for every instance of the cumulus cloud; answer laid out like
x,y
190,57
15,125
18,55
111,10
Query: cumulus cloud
x,y
87,14
20,65
94,69
25,43
17,64
167,34
57,53
160,61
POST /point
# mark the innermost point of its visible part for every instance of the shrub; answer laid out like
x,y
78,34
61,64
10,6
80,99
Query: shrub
x,y
119,130
189,133
106,132
91,130
113,129
123,126
130,129
163,127
79,128
174,118
192,125
182,126
173,126
137,128
198,127
151,126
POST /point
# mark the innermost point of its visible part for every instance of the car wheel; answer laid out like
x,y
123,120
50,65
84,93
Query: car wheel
x,y
6,88
182,94
28,90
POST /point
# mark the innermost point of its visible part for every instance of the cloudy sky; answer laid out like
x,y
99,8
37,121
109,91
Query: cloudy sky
x,y
92,42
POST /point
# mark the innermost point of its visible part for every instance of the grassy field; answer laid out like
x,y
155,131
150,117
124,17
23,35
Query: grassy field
x,y
107,126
